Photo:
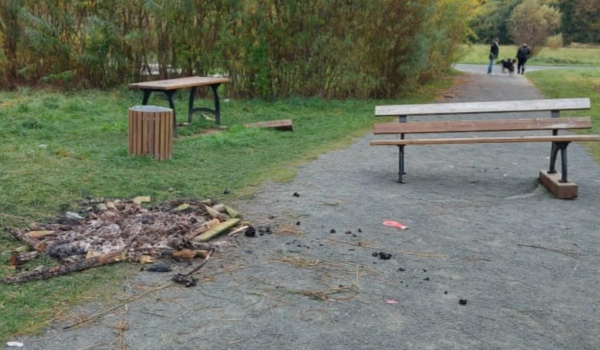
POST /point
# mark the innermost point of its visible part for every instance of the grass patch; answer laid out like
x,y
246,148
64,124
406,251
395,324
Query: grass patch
x,y
569,56
56,149
574,83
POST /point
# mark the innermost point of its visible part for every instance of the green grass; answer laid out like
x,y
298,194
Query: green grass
x,y
574,83
579,56
57,149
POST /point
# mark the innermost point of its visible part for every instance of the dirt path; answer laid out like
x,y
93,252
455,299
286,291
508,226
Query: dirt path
x,y
469,208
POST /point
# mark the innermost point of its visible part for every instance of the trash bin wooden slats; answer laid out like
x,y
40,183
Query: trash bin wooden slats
x,y
151,131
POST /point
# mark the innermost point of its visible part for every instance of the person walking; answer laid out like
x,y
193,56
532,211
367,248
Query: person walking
x,y
523,56
494,52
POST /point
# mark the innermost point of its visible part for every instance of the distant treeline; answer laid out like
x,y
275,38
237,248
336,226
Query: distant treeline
x,y
270,48
580,20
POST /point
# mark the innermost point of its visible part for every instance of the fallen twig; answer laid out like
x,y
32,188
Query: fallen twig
x,y
559,251
137,297
298,262
60,270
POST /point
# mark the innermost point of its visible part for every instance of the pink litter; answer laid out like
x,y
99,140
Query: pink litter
x,y
392,301
396,224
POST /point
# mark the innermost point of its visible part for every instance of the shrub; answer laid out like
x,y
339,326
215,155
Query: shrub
x,y
532,22
270,48
555,42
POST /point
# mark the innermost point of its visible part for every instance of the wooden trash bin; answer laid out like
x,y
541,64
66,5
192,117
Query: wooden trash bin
x,y
151,131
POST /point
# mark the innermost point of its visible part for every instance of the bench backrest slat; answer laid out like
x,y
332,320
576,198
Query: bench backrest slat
x,y
483,125
570,104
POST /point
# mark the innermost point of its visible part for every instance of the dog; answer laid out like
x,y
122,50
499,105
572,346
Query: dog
x,y
508,65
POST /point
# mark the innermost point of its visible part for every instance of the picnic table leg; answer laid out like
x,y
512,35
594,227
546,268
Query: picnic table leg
x,y
191,104
169,94
146,97
215,88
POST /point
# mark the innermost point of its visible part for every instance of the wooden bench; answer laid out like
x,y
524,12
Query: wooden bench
x,y
559,185
169,86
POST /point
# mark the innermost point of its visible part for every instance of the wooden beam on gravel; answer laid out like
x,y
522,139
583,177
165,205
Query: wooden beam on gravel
x,y
567,190
281,125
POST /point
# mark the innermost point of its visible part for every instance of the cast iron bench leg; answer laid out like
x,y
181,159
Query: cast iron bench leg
x,y
554,150
215,89
146,97
191,104
402,119
169,94
563,158
562,147
401,164
216,112
553,155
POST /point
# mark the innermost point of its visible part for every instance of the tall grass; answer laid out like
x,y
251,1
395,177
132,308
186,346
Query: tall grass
x,y
271,48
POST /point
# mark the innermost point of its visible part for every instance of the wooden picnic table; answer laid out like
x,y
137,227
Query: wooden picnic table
x,y
169,86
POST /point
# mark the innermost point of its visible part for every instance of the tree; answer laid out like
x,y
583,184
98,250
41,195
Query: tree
x,y
581,20
533,22
10,30
490,20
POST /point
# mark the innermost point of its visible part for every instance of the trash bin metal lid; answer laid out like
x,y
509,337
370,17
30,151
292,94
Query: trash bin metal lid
x,y
157,109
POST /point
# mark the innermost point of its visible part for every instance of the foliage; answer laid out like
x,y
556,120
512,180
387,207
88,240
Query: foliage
x,y
574,84
489,22
581,20
555,42
533,22
270,48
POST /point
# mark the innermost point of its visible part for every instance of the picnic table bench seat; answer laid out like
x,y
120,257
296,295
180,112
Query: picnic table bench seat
x,y
559,185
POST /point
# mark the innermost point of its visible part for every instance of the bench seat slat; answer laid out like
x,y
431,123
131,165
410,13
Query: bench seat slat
x,y
485,107
566,138
483,125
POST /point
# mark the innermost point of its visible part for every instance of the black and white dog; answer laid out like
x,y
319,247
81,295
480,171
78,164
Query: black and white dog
x,y
508,65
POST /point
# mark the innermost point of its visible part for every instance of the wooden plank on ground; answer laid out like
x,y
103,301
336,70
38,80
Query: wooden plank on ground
x,y
282,125
566,138
179,83
569,104
483,125
560,190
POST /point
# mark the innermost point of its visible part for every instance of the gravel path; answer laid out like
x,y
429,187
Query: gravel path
x,y
469,208
482,68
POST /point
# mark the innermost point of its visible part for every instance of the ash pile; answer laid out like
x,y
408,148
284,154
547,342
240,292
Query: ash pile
x,y
110,231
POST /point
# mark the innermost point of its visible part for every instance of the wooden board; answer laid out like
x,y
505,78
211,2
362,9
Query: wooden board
x,y
283,125
179,83
565,138
560,190
483,125
485,107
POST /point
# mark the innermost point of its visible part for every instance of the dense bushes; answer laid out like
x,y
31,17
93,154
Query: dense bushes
x,y
330,48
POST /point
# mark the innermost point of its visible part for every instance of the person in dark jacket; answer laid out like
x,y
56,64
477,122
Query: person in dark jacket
x,y
494,52
523,56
